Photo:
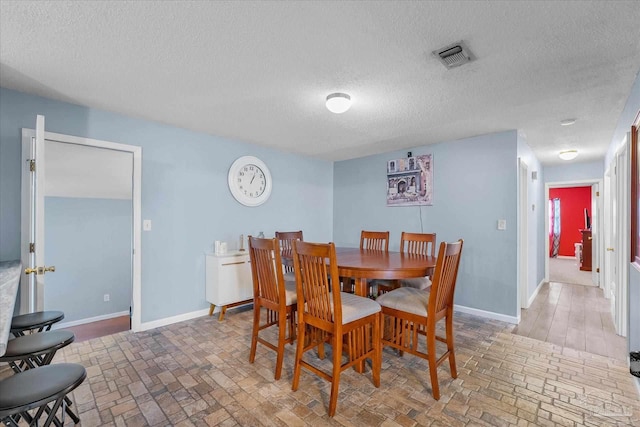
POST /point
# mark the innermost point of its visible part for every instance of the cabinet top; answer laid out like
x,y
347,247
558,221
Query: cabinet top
x,y
228,254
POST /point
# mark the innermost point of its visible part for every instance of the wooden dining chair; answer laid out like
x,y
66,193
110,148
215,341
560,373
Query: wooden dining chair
x,y
374,240
408,313
285,239
327,315
270,291
369,240
418,244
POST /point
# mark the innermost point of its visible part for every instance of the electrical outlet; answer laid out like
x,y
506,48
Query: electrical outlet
x,y
146,225
502,224
107,298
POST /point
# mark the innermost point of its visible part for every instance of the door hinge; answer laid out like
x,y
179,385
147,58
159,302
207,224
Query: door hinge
x,y
597,194
32,165
32,248
598,270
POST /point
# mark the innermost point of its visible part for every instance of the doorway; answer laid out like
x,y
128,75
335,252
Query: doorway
x,y
34,292
88,228
576,316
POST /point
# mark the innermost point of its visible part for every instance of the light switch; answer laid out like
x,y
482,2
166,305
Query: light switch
x,y
146,225
502,224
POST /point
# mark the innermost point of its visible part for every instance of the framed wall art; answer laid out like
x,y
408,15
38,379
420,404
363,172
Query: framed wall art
x,y
410,181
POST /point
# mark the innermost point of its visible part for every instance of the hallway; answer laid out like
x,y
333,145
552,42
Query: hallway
x,y
573,316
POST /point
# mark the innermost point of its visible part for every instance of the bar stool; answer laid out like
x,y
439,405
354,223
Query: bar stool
x,y
33,350
41,320
36,388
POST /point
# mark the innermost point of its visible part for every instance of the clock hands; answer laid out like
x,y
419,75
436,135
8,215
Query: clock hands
x,y
252,178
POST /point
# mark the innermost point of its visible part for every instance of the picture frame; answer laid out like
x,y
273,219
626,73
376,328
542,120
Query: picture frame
x,y
635,190
410,181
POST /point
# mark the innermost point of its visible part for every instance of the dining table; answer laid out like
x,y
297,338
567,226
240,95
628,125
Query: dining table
x,y
364,264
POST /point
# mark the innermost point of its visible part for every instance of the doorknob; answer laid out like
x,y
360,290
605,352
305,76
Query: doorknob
x,y
610,249
40,270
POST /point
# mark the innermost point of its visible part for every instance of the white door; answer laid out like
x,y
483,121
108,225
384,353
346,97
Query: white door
x,y
613,233
32,238
621,250
596,234
605,283
33,224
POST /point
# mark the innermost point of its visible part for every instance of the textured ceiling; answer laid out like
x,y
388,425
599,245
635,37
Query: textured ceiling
x,y
259,71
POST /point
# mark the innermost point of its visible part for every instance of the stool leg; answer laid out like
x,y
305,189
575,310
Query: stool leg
x,y
52,414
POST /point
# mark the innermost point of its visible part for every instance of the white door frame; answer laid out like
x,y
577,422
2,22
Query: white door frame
x,y
523,235
136,308
597,247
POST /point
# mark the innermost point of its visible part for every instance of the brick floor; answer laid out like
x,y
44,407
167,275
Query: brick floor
x,y
196,373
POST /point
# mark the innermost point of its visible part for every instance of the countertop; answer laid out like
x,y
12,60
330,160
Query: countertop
x,y
9,280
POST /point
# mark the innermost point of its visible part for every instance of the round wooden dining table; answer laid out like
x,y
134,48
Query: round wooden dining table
x,y
362,264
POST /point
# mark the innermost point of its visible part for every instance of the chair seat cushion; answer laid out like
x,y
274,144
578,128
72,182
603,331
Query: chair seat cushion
x,y
35,320
39,384
416,282
290,293
410,300
355,307
34,344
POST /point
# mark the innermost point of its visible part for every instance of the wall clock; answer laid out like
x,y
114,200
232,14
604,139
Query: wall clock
x,y
250,181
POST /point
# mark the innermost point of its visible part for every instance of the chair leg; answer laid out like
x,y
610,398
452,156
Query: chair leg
x,y
377,350
433,368
282,330
254,334
451,346
336,344
299,350
292,326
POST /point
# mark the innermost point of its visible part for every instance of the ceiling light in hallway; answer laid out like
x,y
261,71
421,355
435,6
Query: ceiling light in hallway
x,y
568,154
338,102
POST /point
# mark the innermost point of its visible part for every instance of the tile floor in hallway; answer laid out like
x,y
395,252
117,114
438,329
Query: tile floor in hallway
x,y
573,316
197,373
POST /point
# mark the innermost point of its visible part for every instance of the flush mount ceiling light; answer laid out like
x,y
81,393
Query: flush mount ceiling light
x,y
568,154
338,102
567,122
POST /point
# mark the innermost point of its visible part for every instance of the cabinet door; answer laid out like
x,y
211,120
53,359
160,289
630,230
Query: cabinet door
x,y
234,281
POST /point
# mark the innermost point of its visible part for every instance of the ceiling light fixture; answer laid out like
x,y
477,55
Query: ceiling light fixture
x,y
568,154
567,122
338,102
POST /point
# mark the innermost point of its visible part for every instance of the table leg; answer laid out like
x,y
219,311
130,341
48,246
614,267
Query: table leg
x,y
211,308
361,286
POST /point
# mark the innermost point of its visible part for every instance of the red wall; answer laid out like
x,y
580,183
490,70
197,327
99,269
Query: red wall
x,y
573,200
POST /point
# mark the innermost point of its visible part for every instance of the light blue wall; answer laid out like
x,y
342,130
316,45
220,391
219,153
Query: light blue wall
x,y
89,242
536,207
475,184
573,172
184,193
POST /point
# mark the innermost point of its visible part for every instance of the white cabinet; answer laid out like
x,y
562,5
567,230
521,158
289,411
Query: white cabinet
x,y
228,280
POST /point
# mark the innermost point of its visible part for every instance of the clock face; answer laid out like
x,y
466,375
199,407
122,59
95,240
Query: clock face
x,y
250,181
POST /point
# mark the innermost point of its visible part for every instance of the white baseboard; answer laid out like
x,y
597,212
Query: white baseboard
x,y
173,319
487,314
535,293
90,320
565,257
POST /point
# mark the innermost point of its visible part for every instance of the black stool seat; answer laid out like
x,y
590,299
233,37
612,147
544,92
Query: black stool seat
x,y
29,351
39,320
35,388
36,344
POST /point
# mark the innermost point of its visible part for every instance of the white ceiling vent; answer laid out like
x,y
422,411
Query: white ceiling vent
x,y
454,55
